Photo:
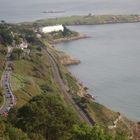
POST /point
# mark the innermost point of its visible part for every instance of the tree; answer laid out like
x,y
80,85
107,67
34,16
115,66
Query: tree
x,y
5,35
85,132
66,31
16,134
3,21
17,40
121,135
16,54
8,132
48,116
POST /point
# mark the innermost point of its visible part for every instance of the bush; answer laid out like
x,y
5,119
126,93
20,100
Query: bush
x,y
5,35
46,115
84,132
16,54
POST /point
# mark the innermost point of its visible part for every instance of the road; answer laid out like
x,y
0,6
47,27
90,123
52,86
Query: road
x,y
9,99
64,89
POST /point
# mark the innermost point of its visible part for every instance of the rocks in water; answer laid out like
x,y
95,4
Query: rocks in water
x,y
68,60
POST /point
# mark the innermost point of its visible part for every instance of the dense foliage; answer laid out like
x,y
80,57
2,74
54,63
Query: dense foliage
x,y
46,117
5,35
8,132
16,54
84,132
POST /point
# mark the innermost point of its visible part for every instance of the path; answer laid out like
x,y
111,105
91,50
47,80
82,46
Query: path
x,y
64,89
9,99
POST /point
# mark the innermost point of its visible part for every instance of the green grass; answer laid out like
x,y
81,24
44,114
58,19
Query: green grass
x,y
3,50
30,75
86,20
17,82
23,89
101,114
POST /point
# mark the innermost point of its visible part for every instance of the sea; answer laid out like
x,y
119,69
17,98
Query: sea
x,y
110,65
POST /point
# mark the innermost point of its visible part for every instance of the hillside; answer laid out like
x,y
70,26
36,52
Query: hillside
x,y
50,103
86,20
3,51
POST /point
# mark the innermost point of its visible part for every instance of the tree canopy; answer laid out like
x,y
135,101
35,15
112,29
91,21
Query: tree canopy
x,y
5,35
46,115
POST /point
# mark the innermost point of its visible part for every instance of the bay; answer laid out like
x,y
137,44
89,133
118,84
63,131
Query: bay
x,y
110,65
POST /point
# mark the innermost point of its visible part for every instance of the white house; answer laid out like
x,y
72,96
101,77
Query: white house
x,y
49,29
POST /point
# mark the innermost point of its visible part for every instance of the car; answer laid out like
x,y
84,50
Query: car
x,y
11,96
7,96
8,91
6,84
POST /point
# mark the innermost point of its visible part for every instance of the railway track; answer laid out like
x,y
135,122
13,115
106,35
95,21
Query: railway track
x,y
64,89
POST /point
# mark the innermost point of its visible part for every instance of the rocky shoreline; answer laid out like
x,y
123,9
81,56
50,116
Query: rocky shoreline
x,y
77,37
67,60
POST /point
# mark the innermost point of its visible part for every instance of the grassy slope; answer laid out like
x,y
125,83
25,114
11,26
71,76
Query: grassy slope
x,y
29,76
88,20
2,66
99,110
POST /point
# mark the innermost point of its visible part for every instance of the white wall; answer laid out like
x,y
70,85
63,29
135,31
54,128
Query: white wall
x,y
49,29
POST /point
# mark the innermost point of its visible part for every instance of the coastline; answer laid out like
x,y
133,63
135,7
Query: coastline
x,y
110,116
131,124
66,39
46,71
83,93
67,60
87,20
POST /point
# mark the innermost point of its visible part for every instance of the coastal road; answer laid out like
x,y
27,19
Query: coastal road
x,y
9,99
64,89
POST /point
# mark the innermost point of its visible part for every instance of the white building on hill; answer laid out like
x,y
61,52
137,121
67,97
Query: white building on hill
x,y
49,29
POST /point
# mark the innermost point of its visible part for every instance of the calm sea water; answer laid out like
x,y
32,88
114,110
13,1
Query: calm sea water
x,y
110,65
27,10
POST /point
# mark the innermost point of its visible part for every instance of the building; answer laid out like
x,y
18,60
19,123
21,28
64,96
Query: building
x,y
49,29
